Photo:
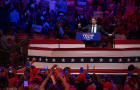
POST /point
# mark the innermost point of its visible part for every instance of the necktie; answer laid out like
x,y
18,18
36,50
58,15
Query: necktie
x,y
92,29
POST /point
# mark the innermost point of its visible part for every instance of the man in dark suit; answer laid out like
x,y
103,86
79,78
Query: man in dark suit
x,y
94,28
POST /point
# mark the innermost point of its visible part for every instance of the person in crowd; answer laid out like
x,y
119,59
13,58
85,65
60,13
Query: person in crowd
x,y
4,43
14,16
61,6
11,37
46,27
120,36
3,79
12,78
99,12
60,30
59,81
107,84
132,82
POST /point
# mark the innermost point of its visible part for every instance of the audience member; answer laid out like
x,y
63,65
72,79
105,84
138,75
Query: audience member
x,y
131,82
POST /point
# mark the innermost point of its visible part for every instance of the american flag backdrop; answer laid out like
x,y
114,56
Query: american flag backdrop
x,y
104,60
73,54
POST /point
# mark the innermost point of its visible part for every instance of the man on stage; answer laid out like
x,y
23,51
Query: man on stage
x,y
94,28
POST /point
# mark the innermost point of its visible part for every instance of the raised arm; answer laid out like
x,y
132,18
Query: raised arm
x,y
85,29
42,86
66,85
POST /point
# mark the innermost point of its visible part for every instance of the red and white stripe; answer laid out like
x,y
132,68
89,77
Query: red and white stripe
x,y
127,43
110,68
46,43
83,52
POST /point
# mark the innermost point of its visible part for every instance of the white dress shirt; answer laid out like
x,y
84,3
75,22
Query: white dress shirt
x,y
94,28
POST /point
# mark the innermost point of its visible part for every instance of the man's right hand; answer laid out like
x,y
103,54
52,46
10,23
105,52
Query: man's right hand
x,y
110,35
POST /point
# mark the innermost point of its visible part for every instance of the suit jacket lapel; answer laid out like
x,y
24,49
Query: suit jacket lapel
x,y
90,27
97,28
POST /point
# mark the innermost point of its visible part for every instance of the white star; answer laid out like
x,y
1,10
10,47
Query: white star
x,y
120,60
128,59
46,60
53,59
110,60
136,59
91,60
82,60
40,59
101,60
72,60
63,60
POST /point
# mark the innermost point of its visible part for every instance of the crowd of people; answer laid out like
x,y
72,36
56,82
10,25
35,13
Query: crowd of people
x,y
60,19
56,78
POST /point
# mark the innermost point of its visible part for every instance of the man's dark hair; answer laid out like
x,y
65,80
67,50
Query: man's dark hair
x,y
93,18
131,67
66,68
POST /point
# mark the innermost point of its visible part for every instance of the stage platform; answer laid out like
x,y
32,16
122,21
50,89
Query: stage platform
x,y
105,60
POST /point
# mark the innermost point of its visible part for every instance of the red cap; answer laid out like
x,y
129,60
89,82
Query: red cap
x,y
90,87
13,80
108,85
81,76
37,77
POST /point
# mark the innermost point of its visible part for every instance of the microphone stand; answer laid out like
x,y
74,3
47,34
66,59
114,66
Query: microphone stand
x,y
113,39
58,43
